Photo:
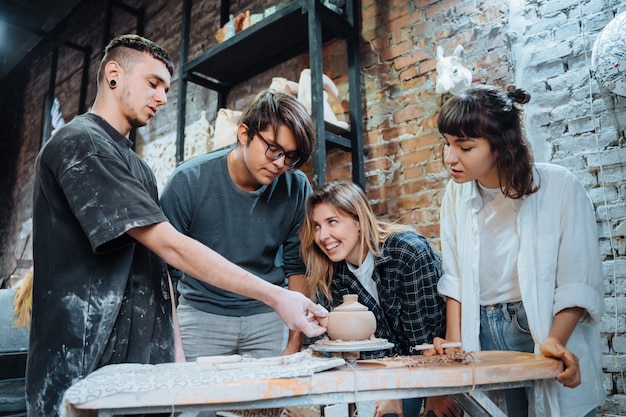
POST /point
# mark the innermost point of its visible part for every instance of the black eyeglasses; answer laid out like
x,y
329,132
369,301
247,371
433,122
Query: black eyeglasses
x,y
275,152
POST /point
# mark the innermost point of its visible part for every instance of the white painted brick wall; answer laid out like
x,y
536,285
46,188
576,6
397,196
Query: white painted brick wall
x,y
552,54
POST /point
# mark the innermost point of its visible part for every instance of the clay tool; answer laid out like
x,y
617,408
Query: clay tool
x,y
427,346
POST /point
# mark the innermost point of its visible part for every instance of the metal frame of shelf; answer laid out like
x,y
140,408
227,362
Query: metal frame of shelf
x,y
301,26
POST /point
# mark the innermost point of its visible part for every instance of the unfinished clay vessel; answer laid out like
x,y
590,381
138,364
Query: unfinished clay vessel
x,y
350,321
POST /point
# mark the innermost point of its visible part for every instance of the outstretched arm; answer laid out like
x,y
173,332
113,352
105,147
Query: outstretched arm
x,y
554,345
197,260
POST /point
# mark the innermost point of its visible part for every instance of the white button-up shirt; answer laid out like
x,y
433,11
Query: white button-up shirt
x,y
559,266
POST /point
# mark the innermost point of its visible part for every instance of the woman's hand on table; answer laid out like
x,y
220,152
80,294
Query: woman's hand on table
x,y
552,348
388,407
439,349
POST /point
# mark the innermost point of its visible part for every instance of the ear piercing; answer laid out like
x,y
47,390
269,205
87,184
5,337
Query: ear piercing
x,y
112,83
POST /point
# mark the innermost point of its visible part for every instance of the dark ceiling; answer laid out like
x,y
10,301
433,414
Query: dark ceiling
x,y
24,23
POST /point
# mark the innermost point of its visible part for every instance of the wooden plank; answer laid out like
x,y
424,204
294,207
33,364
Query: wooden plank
x,y
188,384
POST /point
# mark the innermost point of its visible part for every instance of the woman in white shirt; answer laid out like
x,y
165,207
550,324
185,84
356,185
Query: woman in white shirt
x,y
520,252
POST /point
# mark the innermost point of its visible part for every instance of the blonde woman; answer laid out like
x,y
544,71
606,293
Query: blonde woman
x,y
392,268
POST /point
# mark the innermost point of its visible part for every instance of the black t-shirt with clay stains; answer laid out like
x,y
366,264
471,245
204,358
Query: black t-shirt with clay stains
x,y
99,296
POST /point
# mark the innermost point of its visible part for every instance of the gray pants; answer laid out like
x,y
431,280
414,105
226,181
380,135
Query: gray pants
x,y
205,334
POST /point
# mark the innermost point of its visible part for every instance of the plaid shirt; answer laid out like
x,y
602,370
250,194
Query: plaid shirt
x,y
410,311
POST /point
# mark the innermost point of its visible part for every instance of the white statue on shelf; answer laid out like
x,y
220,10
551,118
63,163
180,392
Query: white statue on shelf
x,y
284,85
226,124
330,91
452,76
56,115
302,90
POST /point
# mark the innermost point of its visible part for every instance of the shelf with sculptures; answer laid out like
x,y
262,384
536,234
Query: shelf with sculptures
x,y
201,137
227,119
240,22
243,20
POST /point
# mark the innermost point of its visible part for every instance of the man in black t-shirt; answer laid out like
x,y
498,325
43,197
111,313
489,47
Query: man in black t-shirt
x,y
101,294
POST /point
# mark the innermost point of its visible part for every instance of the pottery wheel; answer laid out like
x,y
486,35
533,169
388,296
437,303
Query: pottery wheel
x,y
327,345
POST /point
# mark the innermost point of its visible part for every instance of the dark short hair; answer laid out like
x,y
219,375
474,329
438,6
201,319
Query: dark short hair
x,y
276,109
120,49
489,112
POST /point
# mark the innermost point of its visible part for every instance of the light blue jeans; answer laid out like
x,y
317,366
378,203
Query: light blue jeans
x,y
205,334
505,327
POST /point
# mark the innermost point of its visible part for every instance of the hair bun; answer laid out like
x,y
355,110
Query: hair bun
x,y
518,95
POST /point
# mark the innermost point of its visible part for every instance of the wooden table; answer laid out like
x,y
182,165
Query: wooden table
x,y
136,389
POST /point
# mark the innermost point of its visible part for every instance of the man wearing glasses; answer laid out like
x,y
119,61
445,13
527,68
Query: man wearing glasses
x,y
247,203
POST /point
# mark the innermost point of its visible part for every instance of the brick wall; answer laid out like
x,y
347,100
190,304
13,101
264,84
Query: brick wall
x,y
541,45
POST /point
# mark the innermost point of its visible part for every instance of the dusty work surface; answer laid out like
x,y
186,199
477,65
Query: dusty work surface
x,y
304,376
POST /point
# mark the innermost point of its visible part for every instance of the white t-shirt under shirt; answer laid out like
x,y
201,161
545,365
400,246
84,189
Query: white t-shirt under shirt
x,y
499,248
364,274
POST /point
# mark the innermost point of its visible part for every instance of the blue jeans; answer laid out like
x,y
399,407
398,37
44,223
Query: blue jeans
x,y
505,327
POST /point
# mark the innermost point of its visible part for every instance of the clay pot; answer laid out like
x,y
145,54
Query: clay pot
x,y
350,321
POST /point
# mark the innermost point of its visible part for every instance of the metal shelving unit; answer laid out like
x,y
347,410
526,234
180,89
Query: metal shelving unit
x,y
301,26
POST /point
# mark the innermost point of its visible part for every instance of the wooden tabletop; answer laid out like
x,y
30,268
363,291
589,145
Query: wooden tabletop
x,y
309,380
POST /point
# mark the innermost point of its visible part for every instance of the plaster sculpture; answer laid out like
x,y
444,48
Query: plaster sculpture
x,y
56,118
452,76
226,124
302,90
330,90
284,86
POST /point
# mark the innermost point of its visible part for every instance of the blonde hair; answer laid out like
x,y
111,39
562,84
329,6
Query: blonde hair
x,y
23,300
350,199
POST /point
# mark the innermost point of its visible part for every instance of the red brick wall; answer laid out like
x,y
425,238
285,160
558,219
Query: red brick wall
x,y
404,173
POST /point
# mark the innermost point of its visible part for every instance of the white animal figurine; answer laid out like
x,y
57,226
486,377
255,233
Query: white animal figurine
x,y
330,89
452,76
